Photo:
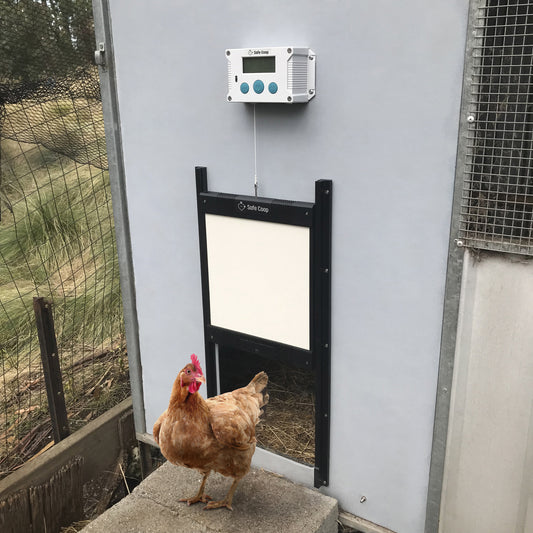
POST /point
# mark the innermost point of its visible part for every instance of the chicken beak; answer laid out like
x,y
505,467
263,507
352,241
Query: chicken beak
x,y
199,379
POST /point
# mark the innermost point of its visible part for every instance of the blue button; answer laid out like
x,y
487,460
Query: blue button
x,y
272,88
244,87
259,86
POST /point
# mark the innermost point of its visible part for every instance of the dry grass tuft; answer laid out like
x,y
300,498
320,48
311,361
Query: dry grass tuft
x,y
75,527
92,385
289,421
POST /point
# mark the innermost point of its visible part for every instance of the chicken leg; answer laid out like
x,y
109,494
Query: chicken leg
x,y
226,502
200,496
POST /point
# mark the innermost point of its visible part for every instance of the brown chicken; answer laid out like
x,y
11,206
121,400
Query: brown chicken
x,y
214,434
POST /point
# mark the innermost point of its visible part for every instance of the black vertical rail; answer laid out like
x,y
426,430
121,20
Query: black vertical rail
x,y
51,368
210,355
321,325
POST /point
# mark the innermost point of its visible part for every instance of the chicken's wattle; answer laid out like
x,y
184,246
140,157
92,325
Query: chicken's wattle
x,y
194,386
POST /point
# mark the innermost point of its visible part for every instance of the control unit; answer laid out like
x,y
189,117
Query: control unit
x,y
280,74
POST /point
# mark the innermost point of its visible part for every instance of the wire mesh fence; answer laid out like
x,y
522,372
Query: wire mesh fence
x,y
497,200
57,237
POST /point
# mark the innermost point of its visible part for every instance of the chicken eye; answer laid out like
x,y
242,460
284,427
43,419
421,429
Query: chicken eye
x,y
188,371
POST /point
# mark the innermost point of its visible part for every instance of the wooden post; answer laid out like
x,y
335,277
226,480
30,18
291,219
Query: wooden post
x,y
51,368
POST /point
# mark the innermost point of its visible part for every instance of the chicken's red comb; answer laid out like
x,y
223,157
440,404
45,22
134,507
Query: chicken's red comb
x,y
196,363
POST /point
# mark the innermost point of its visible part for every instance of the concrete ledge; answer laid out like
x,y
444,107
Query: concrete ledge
x,y
360,524
263,502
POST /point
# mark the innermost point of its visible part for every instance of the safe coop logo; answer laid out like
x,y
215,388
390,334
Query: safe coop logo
x,y
254,208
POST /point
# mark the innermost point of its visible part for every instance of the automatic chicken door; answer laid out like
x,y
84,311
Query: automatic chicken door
x,y
266,267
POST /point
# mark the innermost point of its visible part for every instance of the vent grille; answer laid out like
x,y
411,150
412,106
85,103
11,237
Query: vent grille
x,y
229,75
297,74
497,197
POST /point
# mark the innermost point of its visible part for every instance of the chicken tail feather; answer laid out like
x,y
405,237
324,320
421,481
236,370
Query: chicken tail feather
x,y
259,382
258,385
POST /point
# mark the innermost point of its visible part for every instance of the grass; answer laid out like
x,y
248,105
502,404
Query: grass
x,y
68,126
57,241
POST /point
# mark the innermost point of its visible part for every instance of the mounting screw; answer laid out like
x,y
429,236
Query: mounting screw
x,y
471,118
289,99
444,389
326,270
229,98
459,243
363,499
326,191
228,53
326,345
311,91
289,50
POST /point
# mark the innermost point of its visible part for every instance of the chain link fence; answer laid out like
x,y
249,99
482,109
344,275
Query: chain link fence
x,y
57,237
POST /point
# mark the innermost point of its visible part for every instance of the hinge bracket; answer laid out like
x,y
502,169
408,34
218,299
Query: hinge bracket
x,y
99,55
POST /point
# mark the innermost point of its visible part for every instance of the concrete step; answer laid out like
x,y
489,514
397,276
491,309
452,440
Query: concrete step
x,y
263,503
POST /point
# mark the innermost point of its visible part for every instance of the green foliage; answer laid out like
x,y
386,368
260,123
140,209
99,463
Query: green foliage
x,y
60,243
41,40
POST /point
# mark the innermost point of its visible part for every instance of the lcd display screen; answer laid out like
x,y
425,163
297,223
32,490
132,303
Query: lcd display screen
x,y
260,64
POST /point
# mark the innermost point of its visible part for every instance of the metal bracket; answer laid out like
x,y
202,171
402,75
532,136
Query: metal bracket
x,y
99,55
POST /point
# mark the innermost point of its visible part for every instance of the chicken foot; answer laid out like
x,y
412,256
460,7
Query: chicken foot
x,y
226,502
200,496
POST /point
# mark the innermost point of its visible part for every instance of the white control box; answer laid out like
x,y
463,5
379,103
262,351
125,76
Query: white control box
x,y
281,74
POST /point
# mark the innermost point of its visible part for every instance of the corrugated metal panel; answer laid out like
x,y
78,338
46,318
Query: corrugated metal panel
x,y
488,480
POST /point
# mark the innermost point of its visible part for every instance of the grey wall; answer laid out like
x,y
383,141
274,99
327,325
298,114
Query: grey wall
x,y
383,126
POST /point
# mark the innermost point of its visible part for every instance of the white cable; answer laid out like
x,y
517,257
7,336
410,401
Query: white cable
x,y
255,155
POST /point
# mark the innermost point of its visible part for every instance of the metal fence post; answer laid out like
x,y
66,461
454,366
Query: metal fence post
x,y
51,368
